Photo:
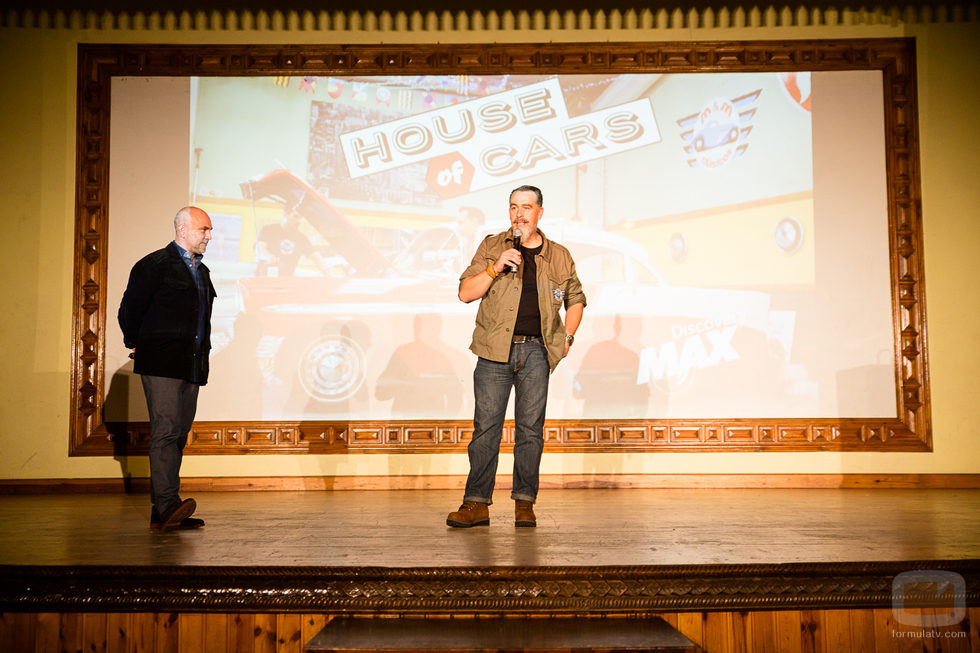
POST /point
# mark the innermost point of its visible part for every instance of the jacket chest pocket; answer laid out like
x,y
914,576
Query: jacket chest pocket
x,y
556,290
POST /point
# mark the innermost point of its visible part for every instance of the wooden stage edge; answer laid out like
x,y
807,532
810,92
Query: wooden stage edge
x,y
548,481
428,591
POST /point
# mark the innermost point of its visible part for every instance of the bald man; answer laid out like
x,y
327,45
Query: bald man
x,y
165,316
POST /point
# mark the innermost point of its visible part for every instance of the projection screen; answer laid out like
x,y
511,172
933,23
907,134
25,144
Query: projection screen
x,y
730,229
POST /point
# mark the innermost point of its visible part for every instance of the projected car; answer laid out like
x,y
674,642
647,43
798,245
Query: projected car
x,y
332,330
715,134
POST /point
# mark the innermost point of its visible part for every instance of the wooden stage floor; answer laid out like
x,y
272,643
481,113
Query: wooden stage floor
x,y
628,527
378,550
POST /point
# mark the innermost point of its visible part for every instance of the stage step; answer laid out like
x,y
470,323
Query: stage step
x,y
538,634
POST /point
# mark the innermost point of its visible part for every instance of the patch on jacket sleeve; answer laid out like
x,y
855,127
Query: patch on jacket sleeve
x,y
559,294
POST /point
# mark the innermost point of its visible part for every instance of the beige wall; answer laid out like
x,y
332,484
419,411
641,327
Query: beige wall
x,y
37,138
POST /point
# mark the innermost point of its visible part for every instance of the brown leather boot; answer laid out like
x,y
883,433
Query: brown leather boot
x,y
471,513
524,513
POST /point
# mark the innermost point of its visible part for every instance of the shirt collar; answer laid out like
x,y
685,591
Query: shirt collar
x,y
187,256
544,245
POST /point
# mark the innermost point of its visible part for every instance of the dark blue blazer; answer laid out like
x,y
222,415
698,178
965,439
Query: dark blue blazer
x,y
158,316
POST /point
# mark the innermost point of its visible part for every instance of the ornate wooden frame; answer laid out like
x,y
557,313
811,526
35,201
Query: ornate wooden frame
x,y
613,590
909,430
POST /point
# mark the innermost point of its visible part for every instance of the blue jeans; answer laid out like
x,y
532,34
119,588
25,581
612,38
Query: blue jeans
x,y
171,404
527,372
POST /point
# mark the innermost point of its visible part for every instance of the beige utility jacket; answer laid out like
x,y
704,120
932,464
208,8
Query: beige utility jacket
x,y
557,285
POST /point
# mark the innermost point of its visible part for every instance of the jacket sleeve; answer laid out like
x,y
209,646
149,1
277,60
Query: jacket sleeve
x,y
574,293
135,302
481,259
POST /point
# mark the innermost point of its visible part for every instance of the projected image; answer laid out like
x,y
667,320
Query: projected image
x,y
345,210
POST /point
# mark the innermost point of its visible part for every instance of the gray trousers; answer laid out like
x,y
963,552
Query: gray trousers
x,y
171,404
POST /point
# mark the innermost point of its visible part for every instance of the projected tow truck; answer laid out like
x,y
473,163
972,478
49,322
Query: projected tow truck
x,y
331,329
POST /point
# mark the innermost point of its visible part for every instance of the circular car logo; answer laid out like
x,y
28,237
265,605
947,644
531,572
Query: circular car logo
x,y
788,234
716,135
332,368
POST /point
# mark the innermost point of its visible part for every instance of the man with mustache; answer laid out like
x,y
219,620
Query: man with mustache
x,y
519,338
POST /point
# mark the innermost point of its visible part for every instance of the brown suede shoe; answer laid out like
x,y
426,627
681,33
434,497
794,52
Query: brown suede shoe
x,y
524,514
471,513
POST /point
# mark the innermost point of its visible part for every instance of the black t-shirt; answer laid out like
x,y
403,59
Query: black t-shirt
x,y
528,313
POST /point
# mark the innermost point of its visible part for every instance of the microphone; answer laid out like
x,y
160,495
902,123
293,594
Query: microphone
x,y
517,246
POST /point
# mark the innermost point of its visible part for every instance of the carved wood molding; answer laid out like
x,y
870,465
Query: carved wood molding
x,y
373,18
909,430
478,590
559,435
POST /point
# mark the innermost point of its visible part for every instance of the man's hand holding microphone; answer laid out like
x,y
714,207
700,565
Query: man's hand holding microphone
x,y
511,258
